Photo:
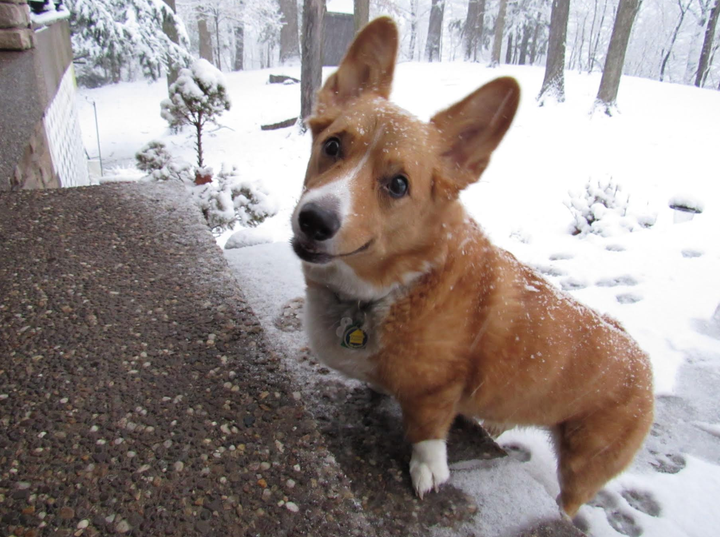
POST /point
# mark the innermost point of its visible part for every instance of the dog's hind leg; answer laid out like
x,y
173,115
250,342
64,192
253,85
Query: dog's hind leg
x,y
593,449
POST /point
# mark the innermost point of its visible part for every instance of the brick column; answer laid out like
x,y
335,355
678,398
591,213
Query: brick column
x,y
15,32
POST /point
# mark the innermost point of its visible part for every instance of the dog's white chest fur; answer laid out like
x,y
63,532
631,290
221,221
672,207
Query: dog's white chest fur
x,y
327,321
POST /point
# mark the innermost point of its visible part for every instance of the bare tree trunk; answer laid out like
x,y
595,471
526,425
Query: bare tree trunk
x,y
171,31
361,14
607,94
683,10
554,82
474,29
206,51
432,47
289,44
413,27
499,29
115,70
311,71
524,45
576,54
509,51
693,42
592,51
218,56
592,31
535,39
704,63
239,47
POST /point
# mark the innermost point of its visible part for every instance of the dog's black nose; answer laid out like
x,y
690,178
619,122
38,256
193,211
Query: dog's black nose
x,y
317,222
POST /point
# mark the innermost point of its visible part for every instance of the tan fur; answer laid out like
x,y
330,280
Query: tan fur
x,y
476,332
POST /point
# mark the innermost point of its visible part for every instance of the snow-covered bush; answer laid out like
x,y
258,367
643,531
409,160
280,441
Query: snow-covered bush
x,y
113,40
158,163
225,200
228,201
198,97
153,156
604,209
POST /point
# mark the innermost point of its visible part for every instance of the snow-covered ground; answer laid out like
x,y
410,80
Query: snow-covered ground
x,y
661,282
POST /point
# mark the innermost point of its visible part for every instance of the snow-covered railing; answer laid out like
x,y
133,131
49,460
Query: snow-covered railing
x,y
46,13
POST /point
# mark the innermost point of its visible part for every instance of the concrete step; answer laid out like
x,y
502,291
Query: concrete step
x,y
137,394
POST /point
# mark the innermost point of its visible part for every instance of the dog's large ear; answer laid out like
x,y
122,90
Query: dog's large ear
x,y
368,65
471,130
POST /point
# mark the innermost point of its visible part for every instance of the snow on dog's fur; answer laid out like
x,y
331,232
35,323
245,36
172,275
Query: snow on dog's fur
x,y
405,291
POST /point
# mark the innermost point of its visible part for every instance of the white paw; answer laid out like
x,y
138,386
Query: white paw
x,y
428,466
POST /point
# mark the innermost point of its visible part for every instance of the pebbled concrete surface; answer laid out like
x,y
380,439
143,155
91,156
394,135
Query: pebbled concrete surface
x,y
139,394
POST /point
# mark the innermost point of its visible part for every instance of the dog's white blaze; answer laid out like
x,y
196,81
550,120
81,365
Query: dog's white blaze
x,y
341,189
337,190
428,465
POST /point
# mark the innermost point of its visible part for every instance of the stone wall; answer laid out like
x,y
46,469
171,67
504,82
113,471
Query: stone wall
x,y
15,32
40,144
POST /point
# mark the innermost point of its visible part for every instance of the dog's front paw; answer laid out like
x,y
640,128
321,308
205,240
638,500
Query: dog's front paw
x,y
428,466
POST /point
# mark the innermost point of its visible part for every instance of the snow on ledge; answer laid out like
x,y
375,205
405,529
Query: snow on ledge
x,y
49,16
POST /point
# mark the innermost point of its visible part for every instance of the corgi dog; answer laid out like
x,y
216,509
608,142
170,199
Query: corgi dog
x,y
405,291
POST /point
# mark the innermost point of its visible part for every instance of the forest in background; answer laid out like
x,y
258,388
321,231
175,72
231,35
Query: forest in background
x,y
670,40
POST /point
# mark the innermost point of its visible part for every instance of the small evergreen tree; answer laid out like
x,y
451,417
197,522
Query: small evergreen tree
x,y
197,97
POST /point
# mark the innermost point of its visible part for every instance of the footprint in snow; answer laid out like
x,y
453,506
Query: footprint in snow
x,y
517,452
628,298
624,523
549,270
669,463
642,501
605,500
617,280
690,253
572,284
615,248
561,256
619,520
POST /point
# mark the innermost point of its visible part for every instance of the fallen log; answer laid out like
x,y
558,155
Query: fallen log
x,y
283,124
282,79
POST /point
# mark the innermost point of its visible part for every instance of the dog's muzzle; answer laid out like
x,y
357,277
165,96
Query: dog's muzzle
x,y
315,225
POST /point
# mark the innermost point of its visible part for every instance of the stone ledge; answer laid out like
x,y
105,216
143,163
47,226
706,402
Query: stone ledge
x,y
14,16
16,39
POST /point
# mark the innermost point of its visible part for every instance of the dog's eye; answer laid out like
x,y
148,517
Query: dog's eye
x,y
331,147
398,186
